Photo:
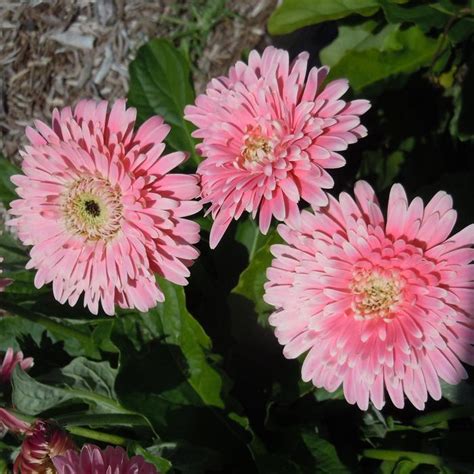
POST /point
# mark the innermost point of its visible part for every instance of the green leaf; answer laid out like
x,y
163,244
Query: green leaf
x,y
366,57
384,168
321,395
252,279
7,188
162,464
172,378
462,30
13,328
462,124
82,380
160,84
374,424
294,14
94,420
405,466
425,16
325,455
14,254
179,328
249,235
101,336
460,394
77,341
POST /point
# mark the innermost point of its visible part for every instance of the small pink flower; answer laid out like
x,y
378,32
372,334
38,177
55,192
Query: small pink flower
x,y
10,361
9,422
92,460
43,441
270,131
102,212
380,305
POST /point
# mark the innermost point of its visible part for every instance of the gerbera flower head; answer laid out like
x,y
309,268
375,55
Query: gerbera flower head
x,y
43,441
102,212
269,132
10,360
92,460
379,305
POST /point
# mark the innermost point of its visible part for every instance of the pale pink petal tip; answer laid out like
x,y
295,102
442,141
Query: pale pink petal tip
x,y
382,307
101,209
269,131
9,422
10,360
92,460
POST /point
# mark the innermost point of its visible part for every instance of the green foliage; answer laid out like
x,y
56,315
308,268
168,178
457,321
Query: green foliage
x,y
462,124
193,31
366,56
249,235
13,328
81,380
294,14
199,383
160,84
162,464
7,188
326,460
252,279
187,396
173,324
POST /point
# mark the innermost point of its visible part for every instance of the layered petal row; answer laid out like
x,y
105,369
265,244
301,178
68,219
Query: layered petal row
x,y
101,210
269,132
378,306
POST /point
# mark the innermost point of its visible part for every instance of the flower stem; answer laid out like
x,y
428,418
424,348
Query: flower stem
x,y
53,326
118,419
81,431
392,455
97,435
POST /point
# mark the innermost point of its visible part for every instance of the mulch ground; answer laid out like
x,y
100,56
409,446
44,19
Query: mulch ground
x,y
54,52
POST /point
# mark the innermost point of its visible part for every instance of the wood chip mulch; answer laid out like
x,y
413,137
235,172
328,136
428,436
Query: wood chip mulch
x,y
54,52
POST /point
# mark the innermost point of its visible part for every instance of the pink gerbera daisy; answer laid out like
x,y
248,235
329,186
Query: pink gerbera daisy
x,y
379,305
10,361
92,460
100,209
269,133
43,441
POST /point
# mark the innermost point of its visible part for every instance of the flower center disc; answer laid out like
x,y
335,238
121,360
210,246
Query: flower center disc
x,y
375,295
93,208
255,149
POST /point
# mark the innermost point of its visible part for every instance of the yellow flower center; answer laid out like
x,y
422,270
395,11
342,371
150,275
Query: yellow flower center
x,y
256,148
93,208
375,295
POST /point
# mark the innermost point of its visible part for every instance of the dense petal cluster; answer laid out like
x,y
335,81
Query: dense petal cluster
x,y
270,131
43,441
102,212
92,460
378,305
10,360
